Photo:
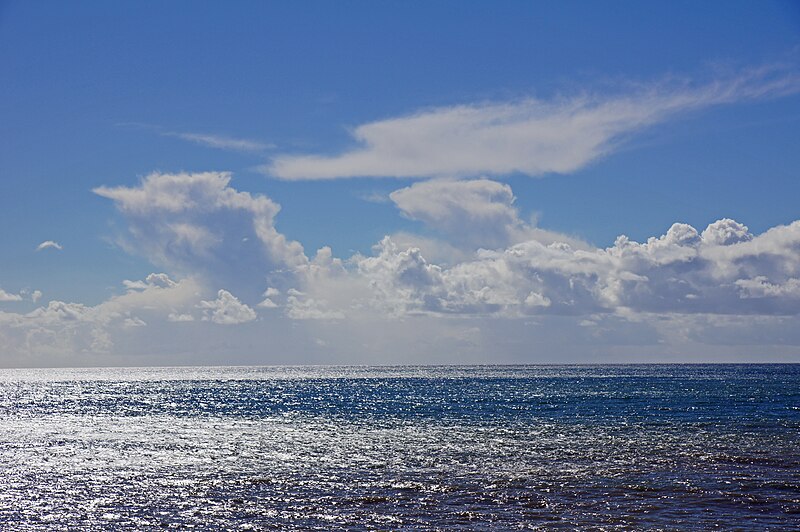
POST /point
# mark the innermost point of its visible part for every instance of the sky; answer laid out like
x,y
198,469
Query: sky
x,y
395,183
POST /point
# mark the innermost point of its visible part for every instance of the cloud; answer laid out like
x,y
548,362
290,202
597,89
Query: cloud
x,y
226,310
472,214
48,244
268,295
529,136
305,308
501,266
761,287
479,211
516,270
373,197
198,225
134,322
435,249
221,142
179,318
680,272
502,288
5,296
67,327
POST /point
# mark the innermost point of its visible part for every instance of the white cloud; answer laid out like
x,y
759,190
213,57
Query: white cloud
x,y
49,244
506,287
271,291
134,285
179,318
479,211
221,142
474,214
760,287
724,270
65,327
36,295
506,268
59,311
374,197
529,136
726,231
402,281
133,322
269,295
226,310
5,296
157,280
305,308
436,250
198,225
267,303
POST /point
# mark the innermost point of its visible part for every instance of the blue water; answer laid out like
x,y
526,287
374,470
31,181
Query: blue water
x,y
392,448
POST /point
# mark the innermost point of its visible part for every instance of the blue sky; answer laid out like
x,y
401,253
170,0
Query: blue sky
x,y
600,119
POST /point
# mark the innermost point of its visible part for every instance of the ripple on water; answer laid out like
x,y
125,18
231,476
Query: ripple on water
x,y
479,448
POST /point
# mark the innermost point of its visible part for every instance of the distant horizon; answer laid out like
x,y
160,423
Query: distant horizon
x,y
766,363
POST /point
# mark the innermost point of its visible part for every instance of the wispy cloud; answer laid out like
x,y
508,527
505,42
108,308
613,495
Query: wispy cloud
x,y
210,140
373,197
47,244
529,136
221,142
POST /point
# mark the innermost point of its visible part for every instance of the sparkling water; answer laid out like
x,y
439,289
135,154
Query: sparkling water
x,y
392,448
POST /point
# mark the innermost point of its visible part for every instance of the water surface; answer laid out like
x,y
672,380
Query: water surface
x,y
467,448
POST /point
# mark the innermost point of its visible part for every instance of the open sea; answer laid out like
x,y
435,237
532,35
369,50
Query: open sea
x,y
667,447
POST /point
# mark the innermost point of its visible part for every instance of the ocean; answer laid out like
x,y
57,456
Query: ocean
x,y
642,447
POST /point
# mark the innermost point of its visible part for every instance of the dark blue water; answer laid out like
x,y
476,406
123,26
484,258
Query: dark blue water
x,y
478,448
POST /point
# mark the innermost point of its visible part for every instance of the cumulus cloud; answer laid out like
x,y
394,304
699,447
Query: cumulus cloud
x,y
761,287
49,244
479,210
226,310
64,327
198,225
435,249
269,295
502,288
477,213
530,136
5,296
723,270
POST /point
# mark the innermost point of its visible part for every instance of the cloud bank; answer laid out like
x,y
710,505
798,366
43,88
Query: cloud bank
x,y
484,283
529,136
724,270
720,286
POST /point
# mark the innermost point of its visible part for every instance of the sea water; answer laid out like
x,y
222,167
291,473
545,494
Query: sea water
x,y
393,448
